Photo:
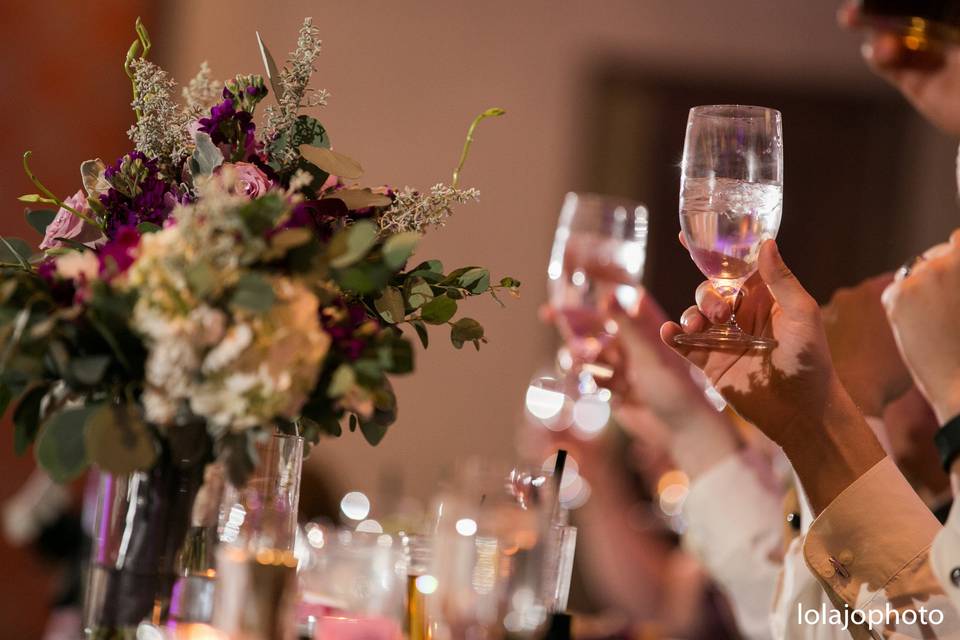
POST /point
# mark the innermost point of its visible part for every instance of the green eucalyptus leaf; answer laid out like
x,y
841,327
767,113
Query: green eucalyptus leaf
x,y
342,380
118,440
60,449
421,330
466,330
39,219
254,293
206,156
509,283
390,305
201,278
476,280
366,278
26,417
439,310
91,171
89,370
398,248
332,162
351,244
419,292
355,199
396,356
384,415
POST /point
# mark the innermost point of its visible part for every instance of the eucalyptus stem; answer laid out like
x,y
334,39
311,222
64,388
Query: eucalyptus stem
x,y
52,196
140,48
489,113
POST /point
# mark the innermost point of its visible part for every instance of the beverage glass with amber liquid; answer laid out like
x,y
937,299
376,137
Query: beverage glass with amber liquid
x,y
420,585
925,27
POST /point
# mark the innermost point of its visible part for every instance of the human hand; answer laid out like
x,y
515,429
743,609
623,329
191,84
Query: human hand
x,y
775,388
923,309
862,347
930,80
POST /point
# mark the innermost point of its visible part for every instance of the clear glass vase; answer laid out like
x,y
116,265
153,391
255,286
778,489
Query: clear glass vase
x,y
140,523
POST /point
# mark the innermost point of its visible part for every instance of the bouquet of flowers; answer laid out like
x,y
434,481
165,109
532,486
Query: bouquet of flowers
x,y
224,274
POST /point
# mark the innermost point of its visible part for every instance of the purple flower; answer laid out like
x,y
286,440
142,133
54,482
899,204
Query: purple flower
x,y
350,328
67,225
120,252
62,291
137,194
320,215
230,129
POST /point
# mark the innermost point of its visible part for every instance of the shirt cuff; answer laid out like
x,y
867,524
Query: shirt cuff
x,y
868,534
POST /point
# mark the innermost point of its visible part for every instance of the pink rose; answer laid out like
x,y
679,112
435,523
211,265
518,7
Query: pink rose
x,y
67,225
248,179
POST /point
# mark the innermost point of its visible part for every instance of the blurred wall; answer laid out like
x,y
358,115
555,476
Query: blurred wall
x,y
65,97
407,77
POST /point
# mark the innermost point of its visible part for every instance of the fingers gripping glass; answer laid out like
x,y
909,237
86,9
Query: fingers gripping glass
x,y
731,195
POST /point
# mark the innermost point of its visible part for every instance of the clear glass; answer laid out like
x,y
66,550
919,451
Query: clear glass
x,y
731,196
263,513
597,261
354,584
255,598
488,561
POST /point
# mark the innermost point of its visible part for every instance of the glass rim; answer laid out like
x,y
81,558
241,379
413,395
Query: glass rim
x,y
733,112
593,196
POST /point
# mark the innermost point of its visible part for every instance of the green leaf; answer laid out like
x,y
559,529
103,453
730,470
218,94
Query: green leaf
x,y
39,219
351,244
15,250
390,305
332,162
206,156
421,332
148,227
342,380
60,446
89,370
476,280
384,415
365,278
201,278
396,356
118,440
354,199
261,215
26,417
419,292
439,310
254,293
33,198
466,330
398,248
273,74
509,283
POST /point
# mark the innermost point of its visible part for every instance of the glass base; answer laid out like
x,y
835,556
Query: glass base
x,y
721,337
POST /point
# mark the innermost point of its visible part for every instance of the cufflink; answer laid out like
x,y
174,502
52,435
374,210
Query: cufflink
x,y
838,567
955,576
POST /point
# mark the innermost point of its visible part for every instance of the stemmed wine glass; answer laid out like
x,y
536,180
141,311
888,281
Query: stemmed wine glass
x,y
731,194
597,261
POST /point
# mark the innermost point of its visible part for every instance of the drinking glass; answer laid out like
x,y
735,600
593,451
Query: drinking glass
x,y
597,261
731,194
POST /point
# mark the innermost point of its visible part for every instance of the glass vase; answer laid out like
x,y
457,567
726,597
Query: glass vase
x,y
140,523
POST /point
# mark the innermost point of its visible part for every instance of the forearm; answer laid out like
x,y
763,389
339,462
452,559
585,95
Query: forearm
x,y
830,451
702,439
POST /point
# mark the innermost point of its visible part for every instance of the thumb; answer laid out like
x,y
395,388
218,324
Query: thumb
x,y
783,285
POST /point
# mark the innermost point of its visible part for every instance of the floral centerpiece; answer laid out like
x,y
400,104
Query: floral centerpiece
x,y
223,279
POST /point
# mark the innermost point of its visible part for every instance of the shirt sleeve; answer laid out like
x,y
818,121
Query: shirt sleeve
x,y
734,527
870,550
945,556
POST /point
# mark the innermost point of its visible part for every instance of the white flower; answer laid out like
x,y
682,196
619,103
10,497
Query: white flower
x,y
237,338
158,407
78,265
